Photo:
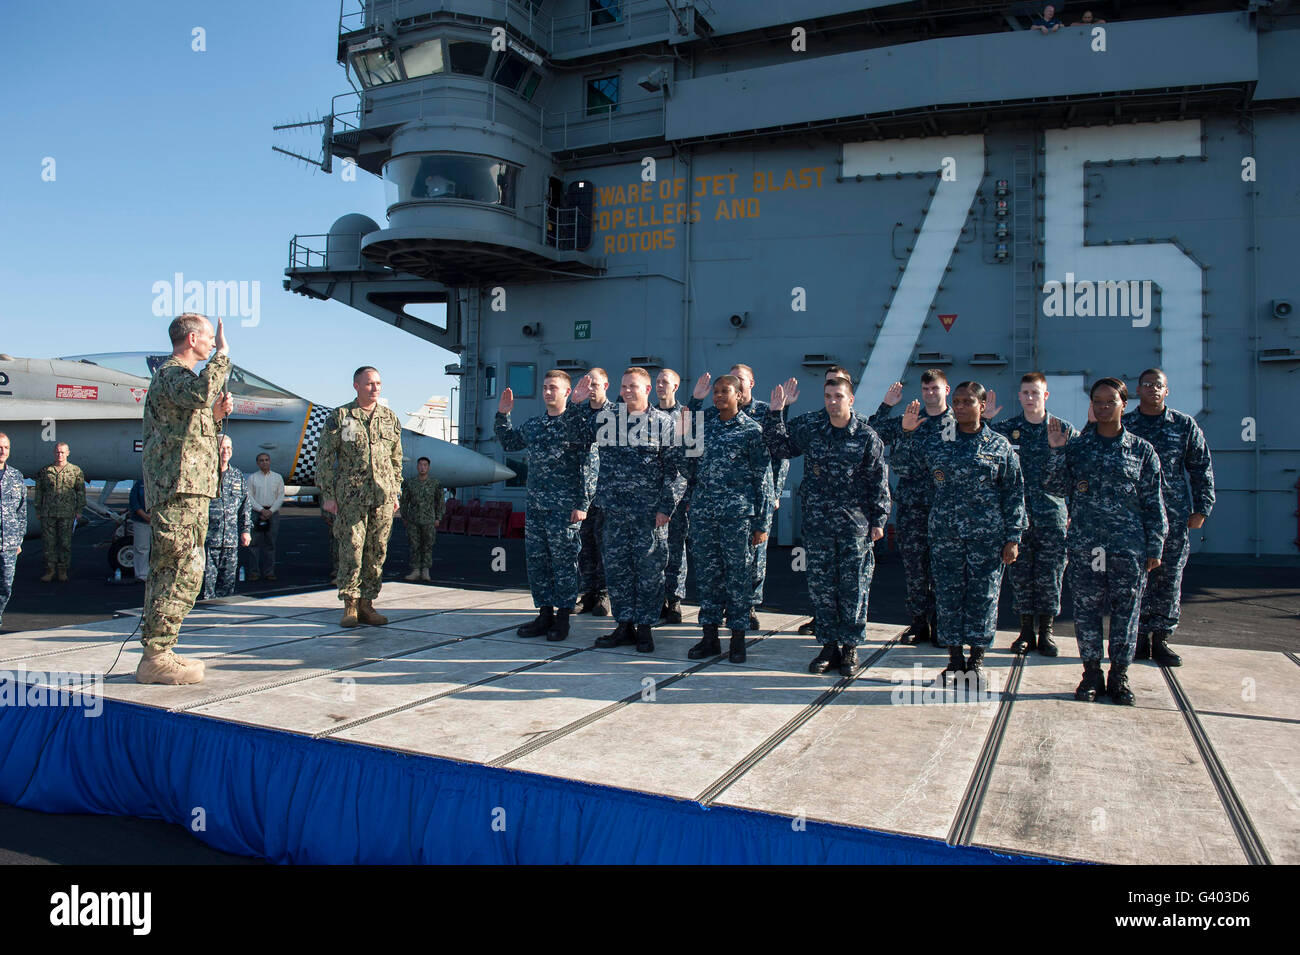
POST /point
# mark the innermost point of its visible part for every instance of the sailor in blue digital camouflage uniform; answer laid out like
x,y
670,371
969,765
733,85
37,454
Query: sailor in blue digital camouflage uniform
x,y
229,526
640,483
730,492
845,499
591,565
912,497
1184,455
13,521
558,501
1039,569
666,384
1117,532
757,409
976,520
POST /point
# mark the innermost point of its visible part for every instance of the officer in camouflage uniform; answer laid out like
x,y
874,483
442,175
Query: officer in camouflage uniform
x,y
229,526
730,493
912,497
359,470
666,384
591,564
1180,445
421,507
13,521
639,485
1117,532
181,414
60,499
977,517
757,410
559,489
845,500
1039,569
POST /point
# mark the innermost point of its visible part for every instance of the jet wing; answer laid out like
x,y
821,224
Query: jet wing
x,y
32,409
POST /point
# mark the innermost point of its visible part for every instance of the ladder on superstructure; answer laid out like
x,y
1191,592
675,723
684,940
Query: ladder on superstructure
x,y
1023,191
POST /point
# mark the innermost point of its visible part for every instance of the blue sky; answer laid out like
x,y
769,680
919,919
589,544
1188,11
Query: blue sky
x,y
163,164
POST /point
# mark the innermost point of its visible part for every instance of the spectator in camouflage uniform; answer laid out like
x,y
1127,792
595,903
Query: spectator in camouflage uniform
x,y
977,517
845,500
229,526
1117,530
729,487
591,565
757,410
60,499
1181,447
421,508
359,470
1037,573
639,485
666,384
13,521
559,492
181,414
913,495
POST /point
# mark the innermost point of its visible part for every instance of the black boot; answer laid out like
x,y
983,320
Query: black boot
x,y
829,657
1046,645
1160,651
808,629
672,611
645,641
539,625
848,660
623,635
918,632
1093,684
709,646
601,607
753,621
1117,685
736,652
975,662
956,665
560,629
585,603
1025,642
1143,649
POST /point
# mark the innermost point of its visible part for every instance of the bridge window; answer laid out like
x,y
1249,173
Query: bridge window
x,y
468,57
423,59
510,70
605,11
376,67
602,95
427,176
530,86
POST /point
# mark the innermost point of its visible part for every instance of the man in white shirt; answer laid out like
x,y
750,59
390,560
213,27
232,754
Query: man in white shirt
x,y
266,494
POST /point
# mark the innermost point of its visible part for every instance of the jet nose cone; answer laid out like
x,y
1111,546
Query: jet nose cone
x,y
451,464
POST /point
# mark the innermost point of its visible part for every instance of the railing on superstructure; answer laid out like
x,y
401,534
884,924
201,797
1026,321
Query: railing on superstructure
x,y
570,34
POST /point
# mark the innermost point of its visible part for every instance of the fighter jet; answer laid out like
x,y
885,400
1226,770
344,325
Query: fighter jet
x,y
96,402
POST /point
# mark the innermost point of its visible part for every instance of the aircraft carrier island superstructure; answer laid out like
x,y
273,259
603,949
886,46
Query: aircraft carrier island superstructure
x,y
887,187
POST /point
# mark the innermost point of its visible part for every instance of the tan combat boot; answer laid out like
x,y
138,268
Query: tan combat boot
x,y
48,575
349,612
424,574
413,575
163,666
62,573
366,614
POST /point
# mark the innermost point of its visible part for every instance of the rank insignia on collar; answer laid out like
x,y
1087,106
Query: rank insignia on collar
x,y
1081,487
816,470
938,475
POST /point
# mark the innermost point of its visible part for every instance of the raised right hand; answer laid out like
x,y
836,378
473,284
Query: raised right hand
x,y
581,391
991,407
895,394
507,402
223,347
702,386
778,398
912,416
1056,438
